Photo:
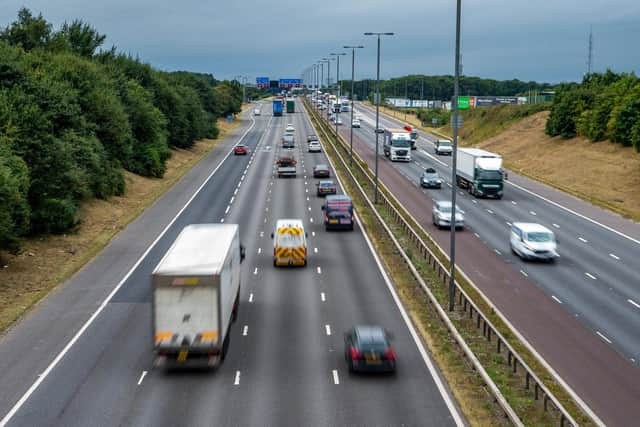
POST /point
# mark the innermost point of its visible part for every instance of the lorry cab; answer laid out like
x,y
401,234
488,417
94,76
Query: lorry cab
x,y
338,212
397,144
289,243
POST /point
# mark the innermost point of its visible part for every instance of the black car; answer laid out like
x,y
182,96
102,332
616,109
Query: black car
x,y
430,179
367,348
321,171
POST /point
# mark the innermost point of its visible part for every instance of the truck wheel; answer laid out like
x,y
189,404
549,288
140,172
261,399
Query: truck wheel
x,y
236,305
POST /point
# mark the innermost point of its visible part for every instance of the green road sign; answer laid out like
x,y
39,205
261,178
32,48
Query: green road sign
x,y
464,102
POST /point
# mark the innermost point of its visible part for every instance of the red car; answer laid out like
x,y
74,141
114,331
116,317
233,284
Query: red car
x,y
321,171
240,149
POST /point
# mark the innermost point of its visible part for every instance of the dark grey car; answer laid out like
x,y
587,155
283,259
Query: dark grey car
x,y
367,348
430,179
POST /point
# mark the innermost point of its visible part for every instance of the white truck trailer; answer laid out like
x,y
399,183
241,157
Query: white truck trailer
x,y
196,293
397,144
480,172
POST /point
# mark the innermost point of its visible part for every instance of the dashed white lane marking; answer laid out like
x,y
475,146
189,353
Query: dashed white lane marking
x,y
222,220
144,374
305,183
474,201
590,276
323,298
336,380
557,299
533,213
311,219
508,223
236,381
266,209
235,192
617,258
307,199
250,297
601,335
245,330
524,273
232,199
313,233
583,240
226,211
556,225
477,235
514,202
259,250
327,329
306,190
632,302
255,272
262,234
315,250
498,252
449,184
490,211
319,270
309,208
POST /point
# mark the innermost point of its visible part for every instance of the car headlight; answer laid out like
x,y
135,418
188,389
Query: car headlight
x,y
439,181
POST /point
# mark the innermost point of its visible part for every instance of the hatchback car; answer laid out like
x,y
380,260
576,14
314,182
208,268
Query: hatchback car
x,y
312,137
430,179
240,149
326,187
289,128
314,147
533,241
321,171
355,123
367,348
441,215
256,112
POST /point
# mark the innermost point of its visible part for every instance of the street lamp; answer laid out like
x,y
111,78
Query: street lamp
x,y
328,61
378,131
353,70
337,112
454,125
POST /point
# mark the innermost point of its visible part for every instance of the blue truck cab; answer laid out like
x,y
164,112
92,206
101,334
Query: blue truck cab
x,y
278,106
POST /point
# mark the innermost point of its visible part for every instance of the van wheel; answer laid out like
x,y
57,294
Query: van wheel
x,y
275,264
305,263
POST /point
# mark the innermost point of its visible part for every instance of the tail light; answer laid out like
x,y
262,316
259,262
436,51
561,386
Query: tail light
x,y
326,217
354,353
389,354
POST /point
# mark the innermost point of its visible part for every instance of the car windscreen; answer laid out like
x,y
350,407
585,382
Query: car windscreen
x,y
444,143
375,345
288,240
493,175
539,237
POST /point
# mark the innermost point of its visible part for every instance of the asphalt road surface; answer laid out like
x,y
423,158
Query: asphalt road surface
x,y
582,313
84,356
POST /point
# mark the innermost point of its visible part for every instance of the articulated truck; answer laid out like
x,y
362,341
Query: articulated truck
x,y
397,144
480,172
291,105
196,294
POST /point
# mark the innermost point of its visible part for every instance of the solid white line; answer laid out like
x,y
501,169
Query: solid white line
x,y
423,352
557,299
144,374
106,301
250,297
632,302
245,330
614,257
327,329
336,380
603,337
586,218
237,379
591,276
322,297
583,240
319,270
259,250
524,273
255,271
226,211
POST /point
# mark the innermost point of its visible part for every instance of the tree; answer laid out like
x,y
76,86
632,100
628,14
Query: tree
x,y
82,38
27,31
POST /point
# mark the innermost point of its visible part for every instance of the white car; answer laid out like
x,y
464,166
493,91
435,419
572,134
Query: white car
x,y
533,241
355,123
256,112
289,128
443,146
441,215
315,147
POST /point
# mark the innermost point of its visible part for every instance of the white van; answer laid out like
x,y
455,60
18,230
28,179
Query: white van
x,y
533,241
289,243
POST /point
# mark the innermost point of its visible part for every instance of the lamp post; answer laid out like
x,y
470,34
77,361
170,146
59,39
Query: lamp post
x,y
456,89
337,112
377,99
353,70
328,61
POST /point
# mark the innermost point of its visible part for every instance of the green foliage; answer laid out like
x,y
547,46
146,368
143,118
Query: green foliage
x,y
72,118
603,106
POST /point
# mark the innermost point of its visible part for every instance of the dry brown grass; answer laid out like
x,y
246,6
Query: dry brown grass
x,y
46,261
602,172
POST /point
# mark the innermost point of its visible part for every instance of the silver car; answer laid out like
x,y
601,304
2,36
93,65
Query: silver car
x,y
441,215
533,241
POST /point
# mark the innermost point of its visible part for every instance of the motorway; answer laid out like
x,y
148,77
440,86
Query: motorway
x,y
594,282
84,356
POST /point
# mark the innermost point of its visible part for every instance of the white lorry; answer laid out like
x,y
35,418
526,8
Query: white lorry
x,y
480,172
196,293
397,144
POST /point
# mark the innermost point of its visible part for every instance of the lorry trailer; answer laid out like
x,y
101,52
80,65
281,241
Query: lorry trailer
x,y
480,172
277,107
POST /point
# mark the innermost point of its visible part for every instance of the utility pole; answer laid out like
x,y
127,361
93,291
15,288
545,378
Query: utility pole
x,y
353,71
456,82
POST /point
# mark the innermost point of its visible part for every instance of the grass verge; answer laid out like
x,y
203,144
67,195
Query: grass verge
x,y
442,345
47,261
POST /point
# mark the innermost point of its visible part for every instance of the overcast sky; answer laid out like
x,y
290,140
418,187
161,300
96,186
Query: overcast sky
x,y
540,40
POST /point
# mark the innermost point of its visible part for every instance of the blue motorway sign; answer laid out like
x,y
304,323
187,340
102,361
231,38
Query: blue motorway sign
x,y
286,83
262,82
